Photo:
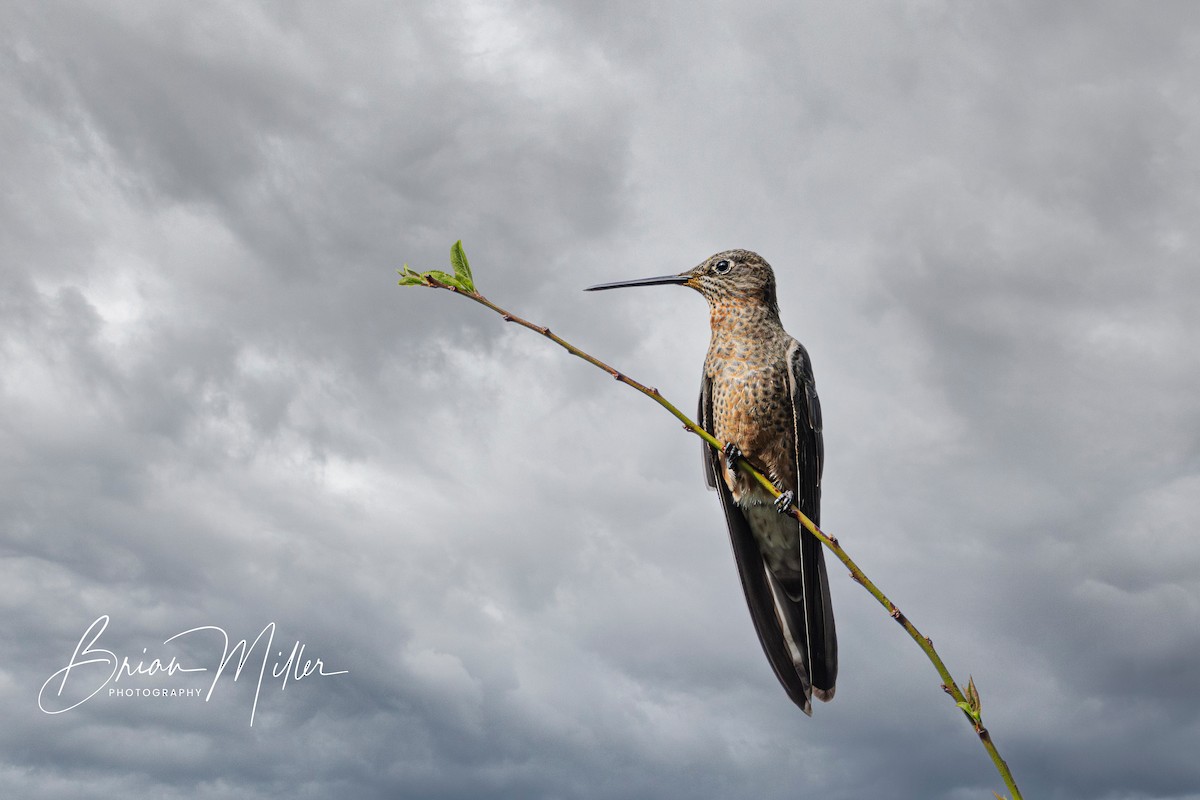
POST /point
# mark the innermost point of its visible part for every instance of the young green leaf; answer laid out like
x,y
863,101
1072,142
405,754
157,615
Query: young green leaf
x,y
462,268
446,278
408,277
973,697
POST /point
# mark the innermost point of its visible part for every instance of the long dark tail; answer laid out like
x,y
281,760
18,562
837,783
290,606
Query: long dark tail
x,y
806,613
794,622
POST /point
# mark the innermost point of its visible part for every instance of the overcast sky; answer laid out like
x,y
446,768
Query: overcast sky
x,y
218,409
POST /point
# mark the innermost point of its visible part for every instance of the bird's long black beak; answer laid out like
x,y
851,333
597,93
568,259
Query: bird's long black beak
x,y
676,279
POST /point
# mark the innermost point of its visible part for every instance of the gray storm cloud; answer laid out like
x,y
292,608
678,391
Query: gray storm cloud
x,y
217,408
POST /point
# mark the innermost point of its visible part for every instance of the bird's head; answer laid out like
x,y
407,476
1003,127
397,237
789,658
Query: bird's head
x,y
732,276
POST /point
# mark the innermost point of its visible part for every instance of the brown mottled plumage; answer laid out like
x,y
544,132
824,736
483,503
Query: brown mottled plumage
x,y
758,396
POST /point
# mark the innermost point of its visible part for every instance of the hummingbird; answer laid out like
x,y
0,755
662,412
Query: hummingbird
x,y
758,396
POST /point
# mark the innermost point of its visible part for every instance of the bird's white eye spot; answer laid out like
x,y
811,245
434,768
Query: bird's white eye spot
x,y
721,267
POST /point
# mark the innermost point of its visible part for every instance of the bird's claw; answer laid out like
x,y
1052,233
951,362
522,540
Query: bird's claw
x,y
785,501
732,454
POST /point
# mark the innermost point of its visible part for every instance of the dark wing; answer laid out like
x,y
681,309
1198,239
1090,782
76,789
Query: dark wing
x,y
757,582
810,461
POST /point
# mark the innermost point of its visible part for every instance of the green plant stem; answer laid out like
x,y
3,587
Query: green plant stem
x,y
924,642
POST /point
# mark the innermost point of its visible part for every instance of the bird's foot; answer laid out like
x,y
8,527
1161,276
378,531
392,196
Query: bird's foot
x,y
732,454
785,501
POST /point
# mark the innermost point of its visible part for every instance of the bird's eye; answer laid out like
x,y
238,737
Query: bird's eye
x,y
721,267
